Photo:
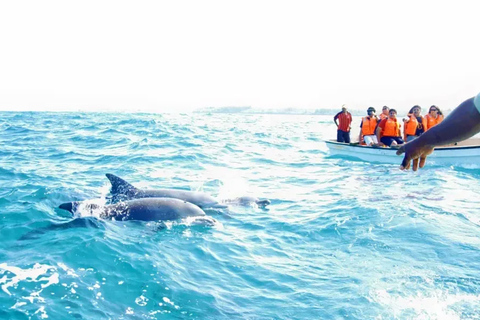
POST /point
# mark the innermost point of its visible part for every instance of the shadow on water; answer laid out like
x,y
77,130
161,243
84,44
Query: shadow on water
x,y
95,223
87,222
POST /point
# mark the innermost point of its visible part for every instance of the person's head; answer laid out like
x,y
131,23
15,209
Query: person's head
x,y
385,110
392,113
415,110
371,111
434,110
344,109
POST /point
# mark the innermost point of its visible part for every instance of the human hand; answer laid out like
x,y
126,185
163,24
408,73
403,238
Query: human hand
x,y
416,153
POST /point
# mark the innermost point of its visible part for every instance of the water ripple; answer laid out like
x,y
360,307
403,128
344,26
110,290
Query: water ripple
x,y
341,239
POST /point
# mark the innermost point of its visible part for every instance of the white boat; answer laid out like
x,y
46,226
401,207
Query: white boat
x,y
465,153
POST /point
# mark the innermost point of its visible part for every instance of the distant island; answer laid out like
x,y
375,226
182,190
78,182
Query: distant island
x,y
293,111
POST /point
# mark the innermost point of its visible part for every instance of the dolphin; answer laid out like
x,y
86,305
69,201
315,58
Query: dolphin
x,y
122,190
147,209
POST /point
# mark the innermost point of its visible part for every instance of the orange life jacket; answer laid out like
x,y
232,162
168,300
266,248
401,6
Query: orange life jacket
x,y
410,127
383,116
368,126
432,122
392,128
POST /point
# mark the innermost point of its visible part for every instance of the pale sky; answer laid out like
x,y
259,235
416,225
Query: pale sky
x,y
164,56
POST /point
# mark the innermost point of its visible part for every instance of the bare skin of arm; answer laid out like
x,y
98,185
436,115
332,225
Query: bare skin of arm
x,y
462,123
335,120
379,130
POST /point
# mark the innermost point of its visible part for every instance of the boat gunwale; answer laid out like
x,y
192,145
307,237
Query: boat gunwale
x,y
395,149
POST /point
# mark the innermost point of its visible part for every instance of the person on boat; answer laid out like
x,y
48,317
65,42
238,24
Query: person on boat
x,y
434,117
367,128
462,123
388,130
384,114
343,127
414,125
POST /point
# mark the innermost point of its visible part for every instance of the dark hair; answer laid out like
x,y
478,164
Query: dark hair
x,y
439,112
385,107
371,108
415,106
392,110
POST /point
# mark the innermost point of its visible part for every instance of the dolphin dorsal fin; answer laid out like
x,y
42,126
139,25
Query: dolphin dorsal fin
x,y
119,186
68,206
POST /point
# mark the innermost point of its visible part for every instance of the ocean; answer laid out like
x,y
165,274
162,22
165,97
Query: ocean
x,y
341,239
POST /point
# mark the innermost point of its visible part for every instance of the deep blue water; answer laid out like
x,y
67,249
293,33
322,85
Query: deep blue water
x,y
342,239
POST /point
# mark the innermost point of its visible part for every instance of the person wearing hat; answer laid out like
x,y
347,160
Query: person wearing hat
x,y
343,127
367,128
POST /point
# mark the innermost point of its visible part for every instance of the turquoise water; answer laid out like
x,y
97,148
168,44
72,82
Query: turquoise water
x,y
342,239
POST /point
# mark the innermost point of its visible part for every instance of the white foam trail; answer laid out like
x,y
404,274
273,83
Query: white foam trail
x,y
202,220
434,305
85,209
104,191
30,275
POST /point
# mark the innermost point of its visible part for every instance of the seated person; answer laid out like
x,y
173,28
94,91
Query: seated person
x,y
384,114
414,125
388,130
367,128
434,117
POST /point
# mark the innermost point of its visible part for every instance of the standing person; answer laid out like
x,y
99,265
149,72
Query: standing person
x,y
462,123
343,127
367,128
388,130
414,125
384,114
434,117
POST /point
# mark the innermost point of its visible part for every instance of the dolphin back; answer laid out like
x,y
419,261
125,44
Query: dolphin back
x,y
120,187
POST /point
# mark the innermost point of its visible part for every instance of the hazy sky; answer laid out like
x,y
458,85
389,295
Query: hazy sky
x,y
182,55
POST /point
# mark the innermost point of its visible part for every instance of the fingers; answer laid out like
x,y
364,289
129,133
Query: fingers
x,y
415,164
422,162
407,167
405,163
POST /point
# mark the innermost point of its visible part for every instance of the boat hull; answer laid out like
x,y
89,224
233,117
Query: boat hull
x,y
460,156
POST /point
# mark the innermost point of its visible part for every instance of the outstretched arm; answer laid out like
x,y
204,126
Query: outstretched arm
x,y
461,124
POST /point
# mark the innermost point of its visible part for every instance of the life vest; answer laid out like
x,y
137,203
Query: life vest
x,y
392,128
410,127
432,122
383,116
368,126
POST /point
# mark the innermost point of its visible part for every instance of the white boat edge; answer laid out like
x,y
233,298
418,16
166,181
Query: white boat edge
x,y
464,155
